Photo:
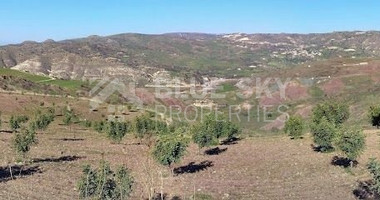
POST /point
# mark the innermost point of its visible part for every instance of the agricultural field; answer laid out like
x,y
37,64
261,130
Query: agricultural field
x,y
248,168
253,160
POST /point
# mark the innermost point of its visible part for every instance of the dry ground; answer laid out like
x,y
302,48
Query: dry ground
x,y
253,168
272,167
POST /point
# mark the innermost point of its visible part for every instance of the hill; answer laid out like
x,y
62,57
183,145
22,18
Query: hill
x,y
225,55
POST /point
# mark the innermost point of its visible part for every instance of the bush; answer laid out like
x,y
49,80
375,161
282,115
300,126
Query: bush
x,y
42,121
16,121
23,140
86,123
324,134
103,183
374,115
117,130
145,126
170,149
351,142
204,139
99,126
294,127
209,131
335,112
69,116
374,168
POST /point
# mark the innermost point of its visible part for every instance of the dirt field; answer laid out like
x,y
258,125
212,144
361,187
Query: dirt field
x,y
253,168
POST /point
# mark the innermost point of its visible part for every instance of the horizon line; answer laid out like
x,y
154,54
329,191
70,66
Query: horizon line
x,y
3,43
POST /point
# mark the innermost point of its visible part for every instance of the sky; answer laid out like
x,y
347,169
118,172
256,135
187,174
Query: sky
x,y
38,20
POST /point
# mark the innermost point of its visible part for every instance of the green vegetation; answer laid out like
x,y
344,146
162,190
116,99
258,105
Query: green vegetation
x,y
23,140
99,126
374,115
42,120
71,85
374,168
324,134
117,130
103,183
334,112
226,87
69,116
212,129
144,126
23,75
327,118
16,121
294,127
170,148
351,142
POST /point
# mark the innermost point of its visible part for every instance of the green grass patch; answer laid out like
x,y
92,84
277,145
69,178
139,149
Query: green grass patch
x,y
69,84
23,75
226,87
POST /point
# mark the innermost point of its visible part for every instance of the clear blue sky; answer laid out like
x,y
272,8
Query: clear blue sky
x,y
62,19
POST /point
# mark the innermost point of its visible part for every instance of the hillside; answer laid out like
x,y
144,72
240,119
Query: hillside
x,y
225,55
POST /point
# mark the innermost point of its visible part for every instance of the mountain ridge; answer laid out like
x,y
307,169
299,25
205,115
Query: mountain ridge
x,y
223,55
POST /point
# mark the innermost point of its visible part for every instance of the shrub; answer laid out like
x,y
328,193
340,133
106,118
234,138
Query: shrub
x,y
170,149
294,127
374,115
103,183
334,112
145,126
209,131
42,121
374,168
68,116
16,121
23,140
99,126
117,130
86,123
204,139
324,134
124,183
351,142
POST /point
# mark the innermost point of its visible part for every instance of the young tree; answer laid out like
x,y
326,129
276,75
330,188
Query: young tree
x,y
117,130
212,129
42,120
124,183
99,126
374,115
103,183
16,121
69,118
169,149
23,140
351,142
204,138
0,121
145,127
294,127
324,134
334,112
374,168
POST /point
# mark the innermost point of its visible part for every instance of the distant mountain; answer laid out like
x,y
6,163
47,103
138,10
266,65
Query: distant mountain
x,y
224,55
